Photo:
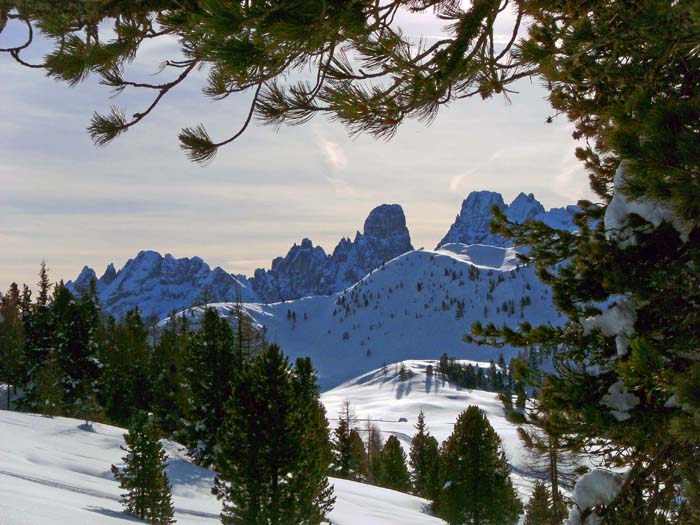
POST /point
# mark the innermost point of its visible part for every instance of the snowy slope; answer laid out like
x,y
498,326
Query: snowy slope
x,y
383,398
53,472
416,306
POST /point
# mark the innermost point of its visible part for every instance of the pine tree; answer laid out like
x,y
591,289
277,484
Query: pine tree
x,y
476,485
168,377
274,452
125,384
143,476
393,472
213,362
538,510
424,461
311,489
47,394
12,337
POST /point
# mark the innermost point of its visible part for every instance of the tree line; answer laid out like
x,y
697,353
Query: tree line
x,y
232,399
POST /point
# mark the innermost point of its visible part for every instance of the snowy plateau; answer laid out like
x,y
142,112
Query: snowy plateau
x,y
54,471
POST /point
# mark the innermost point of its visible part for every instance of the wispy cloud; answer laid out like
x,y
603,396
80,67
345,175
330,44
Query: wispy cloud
x,y
334,154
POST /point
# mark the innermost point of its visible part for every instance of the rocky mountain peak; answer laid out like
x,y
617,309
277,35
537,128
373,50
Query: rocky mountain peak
x,y
387,220
308,270
159,284
109,275
472,224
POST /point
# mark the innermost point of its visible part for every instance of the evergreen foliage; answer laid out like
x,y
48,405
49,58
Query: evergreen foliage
x,y
374,454
212,365
169,381
143,476
424,461
475,487
538,510
126,385
394,473
625,75
273,453
11,340
349,456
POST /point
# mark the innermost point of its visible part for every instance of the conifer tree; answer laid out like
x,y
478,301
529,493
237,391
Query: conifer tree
x,y
125,384
211,369
394,472
273,453
538,510
476,486
11,340
624,74
167,364
374,453
47,394
349,457
44,286
312,491
424,461
148,492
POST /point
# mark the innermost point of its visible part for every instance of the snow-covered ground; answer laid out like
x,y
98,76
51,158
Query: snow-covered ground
x,y
416,306
54,472
384,399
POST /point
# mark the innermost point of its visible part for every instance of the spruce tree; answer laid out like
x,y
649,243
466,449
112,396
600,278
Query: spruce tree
x,y
424,461
273,454
148,492
476,486
393,472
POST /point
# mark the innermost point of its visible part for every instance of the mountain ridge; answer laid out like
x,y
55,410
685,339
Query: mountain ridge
x,y
159,284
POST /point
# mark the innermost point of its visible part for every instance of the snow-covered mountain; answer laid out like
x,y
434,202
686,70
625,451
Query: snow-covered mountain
x,y
308,270
159,285
471,226
416,306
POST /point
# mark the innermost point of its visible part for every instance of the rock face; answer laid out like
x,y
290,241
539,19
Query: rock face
x,y
159,285
472,224
308,270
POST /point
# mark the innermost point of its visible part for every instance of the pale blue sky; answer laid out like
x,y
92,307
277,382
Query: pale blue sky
x,y
66,201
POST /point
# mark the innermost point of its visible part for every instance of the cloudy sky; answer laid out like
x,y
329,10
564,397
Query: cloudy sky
x,y
72,204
